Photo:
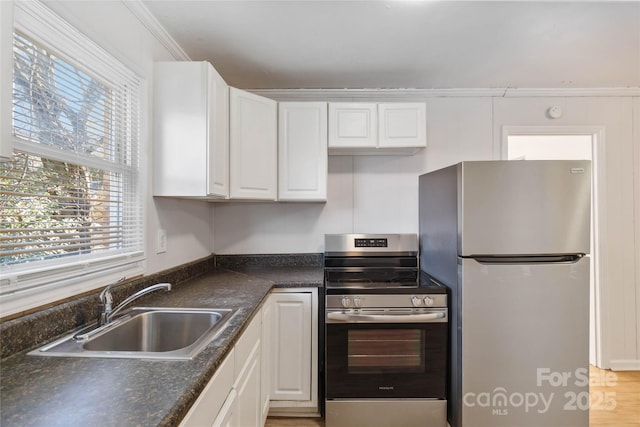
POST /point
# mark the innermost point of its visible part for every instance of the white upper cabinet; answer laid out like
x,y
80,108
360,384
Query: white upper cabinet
x,y
352,125
191,140
253,146
402,125
385,128
302,151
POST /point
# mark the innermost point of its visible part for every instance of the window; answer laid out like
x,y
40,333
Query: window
x,y
70,198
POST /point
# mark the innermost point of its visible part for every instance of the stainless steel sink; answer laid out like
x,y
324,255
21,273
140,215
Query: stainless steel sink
x,y
145,333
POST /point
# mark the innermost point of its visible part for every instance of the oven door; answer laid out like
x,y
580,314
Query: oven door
x,y
376,354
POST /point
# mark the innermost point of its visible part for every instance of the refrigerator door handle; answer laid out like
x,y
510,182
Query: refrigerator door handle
x,y
527,259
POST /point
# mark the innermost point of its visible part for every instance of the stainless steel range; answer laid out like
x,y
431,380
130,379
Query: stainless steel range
x,y
386,334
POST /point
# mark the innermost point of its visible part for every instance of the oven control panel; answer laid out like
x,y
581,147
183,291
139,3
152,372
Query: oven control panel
x,y
371,243
345,245
387,300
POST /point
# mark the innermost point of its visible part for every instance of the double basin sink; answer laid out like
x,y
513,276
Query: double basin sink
x,y
145,333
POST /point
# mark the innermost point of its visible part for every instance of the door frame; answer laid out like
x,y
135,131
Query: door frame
x,y
600,307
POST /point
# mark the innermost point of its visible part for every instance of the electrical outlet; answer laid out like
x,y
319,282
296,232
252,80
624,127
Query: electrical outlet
x,y
162,241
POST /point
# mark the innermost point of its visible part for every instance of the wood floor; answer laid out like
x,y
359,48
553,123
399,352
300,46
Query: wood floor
x,y
615,402
615,398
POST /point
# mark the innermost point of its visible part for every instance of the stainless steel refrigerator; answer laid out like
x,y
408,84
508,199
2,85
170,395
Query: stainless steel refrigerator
x,y
511,241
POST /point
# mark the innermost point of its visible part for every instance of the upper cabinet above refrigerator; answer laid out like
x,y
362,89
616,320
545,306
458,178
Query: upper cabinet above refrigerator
x,y
379,129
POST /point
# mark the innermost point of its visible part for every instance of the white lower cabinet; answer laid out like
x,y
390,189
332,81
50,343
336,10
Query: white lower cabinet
x,y
267,359
294,379
272,369
214,396
247,378
232,398
249,407
227,417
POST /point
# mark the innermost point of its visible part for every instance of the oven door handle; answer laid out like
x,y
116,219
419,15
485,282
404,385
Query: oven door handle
x,y
384,318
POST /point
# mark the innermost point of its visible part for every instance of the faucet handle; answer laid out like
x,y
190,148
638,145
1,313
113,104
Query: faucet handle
x,y
105,295
106,302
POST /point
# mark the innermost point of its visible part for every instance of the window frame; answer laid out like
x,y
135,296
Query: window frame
x,y
30,285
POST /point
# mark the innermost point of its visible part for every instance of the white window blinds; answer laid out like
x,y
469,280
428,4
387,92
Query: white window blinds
x,y
70,197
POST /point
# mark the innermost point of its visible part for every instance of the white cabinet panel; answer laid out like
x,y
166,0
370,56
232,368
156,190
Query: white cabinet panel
x,y
191,139
228,415
249,407
352,125
247,374
265,371
233,397
292,346
218,160
402,125
253,146
379,129
302,151
211,400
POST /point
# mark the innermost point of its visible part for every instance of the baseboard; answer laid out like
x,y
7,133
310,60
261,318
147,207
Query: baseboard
x,y
625,365
302,412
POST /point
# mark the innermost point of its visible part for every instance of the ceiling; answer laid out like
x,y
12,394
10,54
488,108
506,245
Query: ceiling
x,y
410,44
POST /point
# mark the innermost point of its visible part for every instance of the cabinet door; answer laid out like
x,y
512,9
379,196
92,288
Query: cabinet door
x,y
218,130
352,125
402,125
265,372
212,399
253,146
302,151
249,406
191,130
228,415
291,379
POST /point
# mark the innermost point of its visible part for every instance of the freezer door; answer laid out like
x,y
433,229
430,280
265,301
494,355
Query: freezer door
x,y
524,207
524,341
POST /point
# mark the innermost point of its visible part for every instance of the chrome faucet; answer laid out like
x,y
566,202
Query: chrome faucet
x,y
105,311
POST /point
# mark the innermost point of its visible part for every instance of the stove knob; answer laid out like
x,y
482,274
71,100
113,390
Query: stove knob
x,y
346,302
416,301
357,302
428,301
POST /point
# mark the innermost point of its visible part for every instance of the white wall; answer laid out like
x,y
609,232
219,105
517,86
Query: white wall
x,y
116,29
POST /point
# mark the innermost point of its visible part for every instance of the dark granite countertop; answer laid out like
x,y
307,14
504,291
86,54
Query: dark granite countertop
x,y
65,391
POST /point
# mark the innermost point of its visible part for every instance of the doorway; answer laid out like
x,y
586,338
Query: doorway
x,y
561,143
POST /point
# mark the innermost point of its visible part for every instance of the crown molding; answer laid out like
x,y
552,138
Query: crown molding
x,y
420,94
146,18
569,92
